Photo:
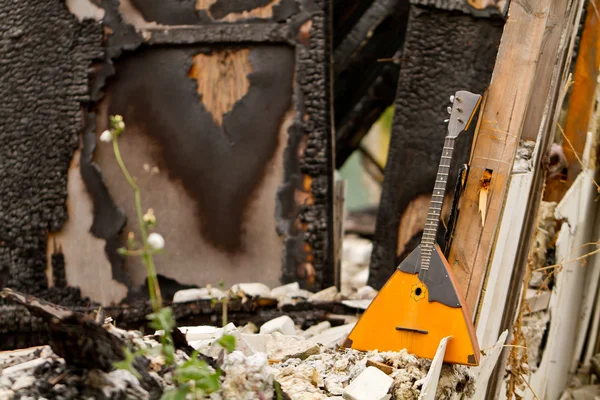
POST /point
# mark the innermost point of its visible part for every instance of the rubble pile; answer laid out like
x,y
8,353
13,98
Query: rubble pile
x,y
305,369
276,356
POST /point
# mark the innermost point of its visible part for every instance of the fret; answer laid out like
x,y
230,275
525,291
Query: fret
x,y
432,221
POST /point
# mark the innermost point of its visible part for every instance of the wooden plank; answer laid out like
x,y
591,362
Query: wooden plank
x,y
502,122
429,388
339,202
559,358
572,16
581,101
495,294
593,277
487,366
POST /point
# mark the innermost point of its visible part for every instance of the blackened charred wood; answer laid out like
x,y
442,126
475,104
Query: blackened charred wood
x,y
444,51
76,337
364,86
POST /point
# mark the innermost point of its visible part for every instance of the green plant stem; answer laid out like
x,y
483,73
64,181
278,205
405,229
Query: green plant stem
x,y
224,311
153,287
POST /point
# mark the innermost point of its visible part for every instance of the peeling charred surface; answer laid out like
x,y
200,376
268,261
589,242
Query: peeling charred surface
x,y
58,270
190,141
19,329
311,262
364,87
191,12
444,52
46,54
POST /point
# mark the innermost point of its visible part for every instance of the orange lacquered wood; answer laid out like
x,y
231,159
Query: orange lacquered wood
x,y
395,306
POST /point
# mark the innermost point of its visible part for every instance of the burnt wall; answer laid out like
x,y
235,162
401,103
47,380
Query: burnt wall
x,y
444,51
46,55
61,217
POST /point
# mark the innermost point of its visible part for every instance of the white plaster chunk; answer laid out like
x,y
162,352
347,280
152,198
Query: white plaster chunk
x,y
329,294
316,329
283,324
360,304
333,336
366,292
257,341
23,382
357,250
285,290
280,348
371,384
252,289
22,367
360,279
183,296
201,332
248,328
241,344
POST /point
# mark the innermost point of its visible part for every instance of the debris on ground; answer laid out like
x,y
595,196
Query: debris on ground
x,y
306,366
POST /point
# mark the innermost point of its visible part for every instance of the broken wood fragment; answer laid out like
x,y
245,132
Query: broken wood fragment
x,y
76,337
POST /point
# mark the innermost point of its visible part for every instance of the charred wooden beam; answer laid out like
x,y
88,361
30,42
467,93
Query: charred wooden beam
x,y
444,51
25,326
364,84
78,338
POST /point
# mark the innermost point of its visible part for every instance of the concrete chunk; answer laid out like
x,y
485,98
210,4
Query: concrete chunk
x,y
285,290
316,329
283,324
183,296
371,384
281,348
329,294
333,336
22,382
252,289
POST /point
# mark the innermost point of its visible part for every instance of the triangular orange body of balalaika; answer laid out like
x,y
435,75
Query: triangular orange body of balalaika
x,y
415,315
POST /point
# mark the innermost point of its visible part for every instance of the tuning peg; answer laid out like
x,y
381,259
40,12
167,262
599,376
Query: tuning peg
x,y
446,121
452,99
449,110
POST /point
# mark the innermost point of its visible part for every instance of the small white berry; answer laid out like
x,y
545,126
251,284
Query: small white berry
x,y
156,241
106,136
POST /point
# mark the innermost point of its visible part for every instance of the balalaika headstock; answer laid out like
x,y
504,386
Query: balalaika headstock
x,y
464,107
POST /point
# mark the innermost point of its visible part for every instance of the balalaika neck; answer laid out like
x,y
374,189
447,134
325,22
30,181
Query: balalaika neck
x,y
435,208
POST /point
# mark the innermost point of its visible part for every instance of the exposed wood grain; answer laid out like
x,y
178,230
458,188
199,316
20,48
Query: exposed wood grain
x,y
222,78
502,122
581,101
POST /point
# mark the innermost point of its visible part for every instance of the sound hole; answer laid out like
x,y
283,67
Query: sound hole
x,y
418,291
